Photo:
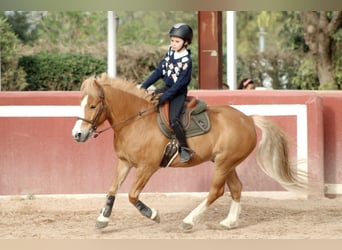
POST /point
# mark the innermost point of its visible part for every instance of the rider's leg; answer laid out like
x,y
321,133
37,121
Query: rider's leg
x,y
176,107
185,152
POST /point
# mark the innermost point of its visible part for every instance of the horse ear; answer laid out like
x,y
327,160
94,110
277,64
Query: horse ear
x,y
99,88
104,76
84,81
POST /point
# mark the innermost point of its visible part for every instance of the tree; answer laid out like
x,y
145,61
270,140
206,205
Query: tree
x,y
137,31
23,25
319,28
292,56
142,37
73,32
275,64
12,77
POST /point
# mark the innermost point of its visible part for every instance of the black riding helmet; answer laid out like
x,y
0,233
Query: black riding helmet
x,y
183,31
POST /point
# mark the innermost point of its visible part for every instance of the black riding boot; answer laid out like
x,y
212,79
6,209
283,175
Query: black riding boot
x,y
184,150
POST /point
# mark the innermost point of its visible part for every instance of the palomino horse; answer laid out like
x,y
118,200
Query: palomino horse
x,y
139,143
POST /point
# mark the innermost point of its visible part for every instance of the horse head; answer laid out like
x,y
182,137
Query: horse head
x,y
92,110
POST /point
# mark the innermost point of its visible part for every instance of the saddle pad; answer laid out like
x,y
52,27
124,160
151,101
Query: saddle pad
x,y
199,124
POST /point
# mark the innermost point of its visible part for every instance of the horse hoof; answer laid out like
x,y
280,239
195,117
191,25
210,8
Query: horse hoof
x,y
229,225
156,218
187,226
101,224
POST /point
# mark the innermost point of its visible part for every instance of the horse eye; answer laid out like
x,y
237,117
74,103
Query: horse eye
x,y
93,106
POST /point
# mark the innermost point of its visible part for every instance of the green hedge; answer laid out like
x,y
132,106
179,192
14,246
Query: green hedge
x,y
54,71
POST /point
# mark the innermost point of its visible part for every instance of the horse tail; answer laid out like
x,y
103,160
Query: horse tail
x,y
272,156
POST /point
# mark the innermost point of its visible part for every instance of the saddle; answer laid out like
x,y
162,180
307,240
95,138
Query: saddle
x,y
194,118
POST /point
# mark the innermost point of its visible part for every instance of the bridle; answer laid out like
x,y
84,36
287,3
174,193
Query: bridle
x,y
94,121
102,107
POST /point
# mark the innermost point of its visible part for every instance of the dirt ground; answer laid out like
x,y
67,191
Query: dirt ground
x,y
46,217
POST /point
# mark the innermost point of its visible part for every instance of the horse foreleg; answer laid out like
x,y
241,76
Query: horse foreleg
x,y
142,177
235,187
122,171
103,219
147,211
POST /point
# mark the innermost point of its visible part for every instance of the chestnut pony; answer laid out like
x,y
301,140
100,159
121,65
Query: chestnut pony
x,y
139,143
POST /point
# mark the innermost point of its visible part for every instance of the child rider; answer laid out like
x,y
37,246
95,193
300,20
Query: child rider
x,y
175,70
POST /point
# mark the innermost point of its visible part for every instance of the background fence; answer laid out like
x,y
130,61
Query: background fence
x,y
39,156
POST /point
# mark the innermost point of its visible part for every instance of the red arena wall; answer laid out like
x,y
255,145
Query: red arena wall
x,y
39,156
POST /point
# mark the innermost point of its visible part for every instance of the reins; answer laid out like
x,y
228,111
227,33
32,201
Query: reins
x,y
102,107
139,114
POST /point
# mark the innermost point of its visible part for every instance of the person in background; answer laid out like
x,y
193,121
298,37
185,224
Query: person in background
x,y
175,70
246,84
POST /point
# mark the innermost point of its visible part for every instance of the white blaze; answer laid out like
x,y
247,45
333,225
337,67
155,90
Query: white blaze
x,y
77,127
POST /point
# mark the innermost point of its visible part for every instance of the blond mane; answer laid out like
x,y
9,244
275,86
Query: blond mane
x,y
89,86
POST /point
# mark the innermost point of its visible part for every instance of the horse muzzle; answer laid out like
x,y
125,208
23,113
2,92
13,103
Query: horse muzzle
x,y
81,135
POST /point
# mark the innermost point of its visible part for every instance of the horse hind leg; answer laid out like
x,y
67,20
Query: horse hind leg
x,y
216,191
190,220
235,186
